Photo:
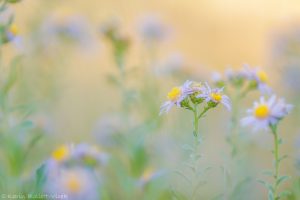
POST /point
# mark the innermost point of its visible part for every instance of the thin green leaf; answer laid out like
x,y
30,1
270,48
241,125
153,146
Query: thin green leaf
x,y
12,77
268,173
267,185
282,179
282,158
40,175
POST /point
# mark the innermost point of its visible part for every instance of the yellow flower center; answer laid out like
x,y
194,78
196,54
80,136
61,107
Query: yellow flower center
x,y
174,94
13,29
73,184
262,111
216,97
61,153
263,77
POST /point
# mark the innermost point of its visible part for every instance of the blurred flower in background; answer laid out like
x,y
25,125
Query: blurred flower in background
x,y
152,30
75,183
74,29
285,56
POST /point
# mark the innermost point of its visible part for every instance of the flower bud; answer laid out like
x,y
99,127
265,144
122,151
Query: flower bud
x,y
196,100
185,104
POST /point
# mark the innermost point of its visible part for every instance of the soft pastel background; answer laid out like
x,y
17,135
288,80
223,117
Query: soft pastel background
x,y
70,82
210,35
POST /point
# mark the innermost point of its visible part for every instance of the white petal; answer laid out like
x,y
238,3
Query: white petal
x,y
247,120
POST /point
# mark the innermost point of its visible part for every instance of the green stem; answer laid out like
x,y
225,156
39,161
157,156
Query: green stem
x,y
120,63
276,160
203,112
196,122
195,155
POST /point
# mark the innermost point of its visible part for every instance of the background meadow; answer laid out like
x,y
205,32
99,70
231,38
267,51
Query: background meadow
x,y
82,83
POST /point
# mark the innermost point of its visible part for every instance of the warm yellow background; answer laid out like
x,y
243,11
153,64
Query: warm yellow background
x,y
213,33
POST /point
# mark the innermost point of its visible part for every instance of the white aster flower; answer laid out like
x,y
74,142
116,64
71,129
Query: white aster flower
x,y
76,183
216,77
215,95
176,96
266,113
82,153
259,76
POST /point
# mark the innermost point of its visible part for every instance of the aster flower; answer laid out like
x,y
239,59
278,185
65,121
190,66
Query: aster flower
x,y
266,113
259,77
12,31
74,29
152,29
59,157
76,183
8,33
215,96
66,156
176,96
216,77
80,154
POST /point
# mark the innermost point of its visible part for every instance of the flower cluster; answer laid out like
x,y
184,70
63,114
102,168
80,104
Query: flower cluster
x,y
196,93
82,154
70,171
258,78
254,78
